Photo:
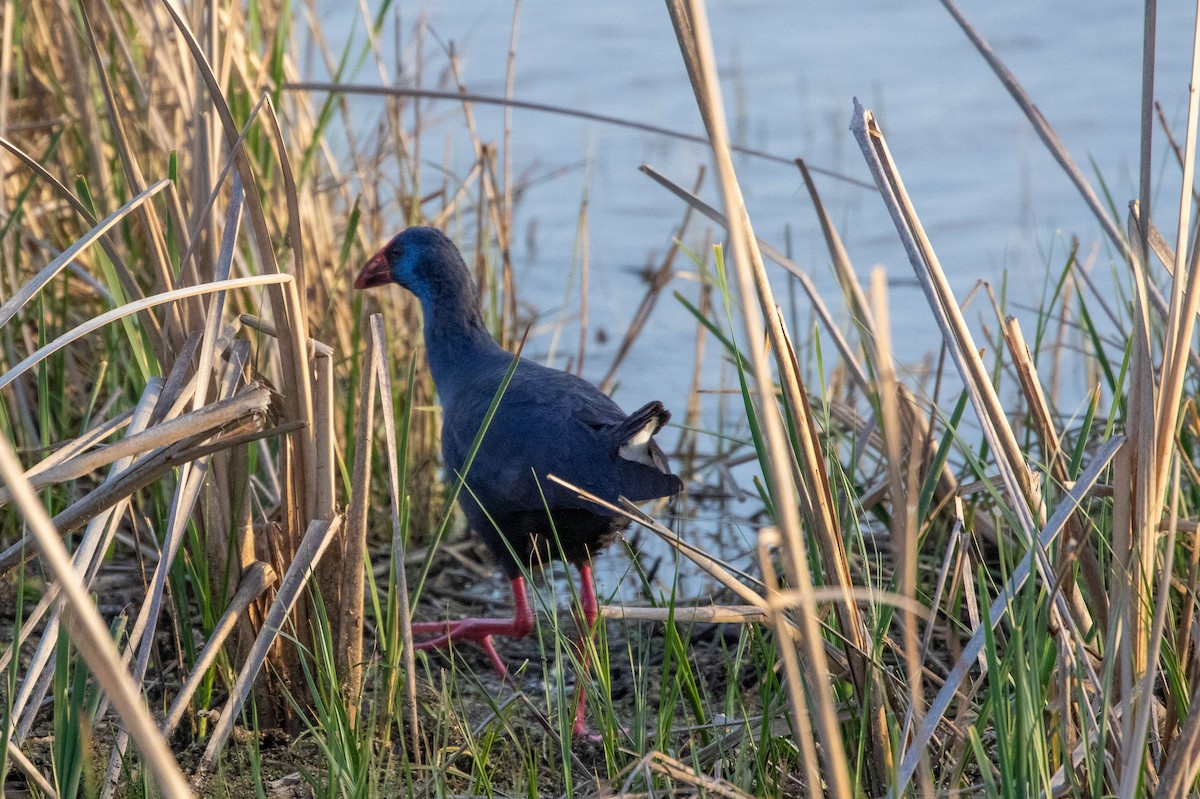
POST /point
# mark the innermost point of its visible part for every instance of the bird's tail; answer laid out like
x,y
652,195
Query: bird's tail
x,y
633,436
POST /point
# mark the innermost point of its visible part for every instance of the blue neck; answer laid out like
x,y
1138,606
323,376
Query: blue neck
x,y
457,345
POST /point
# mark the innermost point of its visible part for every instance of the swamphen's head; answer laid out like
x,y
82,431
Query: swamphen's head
x,y
422,260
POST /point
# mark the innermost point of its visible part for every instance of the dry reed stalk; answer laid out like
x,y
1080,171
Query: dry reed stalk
x,y
712,614
85,553
330,577
349,641
950,321
250,405
211,418
691,31
285,301
192,477
815,494
404,614
728,576
585,262
1076,543
142,473
941,703
1010,460
856,301
308,556
1185,297
1134,507
89,634
904,491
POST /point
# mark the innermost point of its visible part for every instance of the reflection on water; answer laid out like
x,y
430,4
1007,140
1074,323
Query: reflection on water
x,y
990,196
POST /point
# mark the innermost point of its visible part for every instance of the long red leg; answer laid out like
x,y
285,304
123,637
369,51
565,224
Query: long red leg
x,y
481,630
590,612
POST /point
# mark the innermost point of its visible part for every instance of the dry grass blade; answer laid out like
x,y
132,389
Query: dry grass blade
x,y
485,99
941,703
89,633
27,768
98,322
28,291
308,555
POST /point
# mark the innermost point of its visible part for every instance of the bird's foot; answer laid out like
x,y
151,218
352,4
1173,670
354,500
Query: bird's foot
x,y
480,631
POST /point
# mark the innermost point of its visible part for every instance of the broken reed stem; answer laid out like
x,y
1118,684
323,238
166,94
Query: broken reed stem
x,y
253,582
308,556
254,400
1010,460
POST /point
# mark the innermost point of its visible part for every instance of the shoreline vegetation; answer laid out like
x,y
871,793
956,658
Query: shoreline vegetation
x,y
222,502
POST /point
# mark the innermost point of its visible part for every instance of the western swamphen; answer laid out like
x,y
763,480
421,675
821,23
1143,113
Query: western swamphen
x,y
548,422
